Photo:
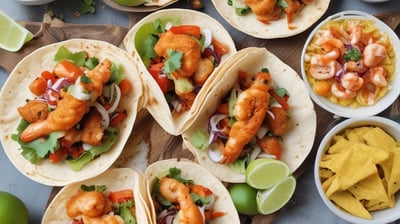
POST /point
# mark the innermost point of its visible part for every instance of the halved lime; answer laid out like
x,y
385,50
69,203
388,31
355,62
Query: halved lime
x,y
273,199
13,35
130,2
264,173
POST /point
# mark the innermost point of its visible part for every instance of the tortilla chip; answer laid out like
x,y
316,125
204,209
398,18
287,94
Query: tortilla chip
x,y
341,143
379,138
345,200
371,188
332,186
356,134
373,205
325,173
378,155
394,178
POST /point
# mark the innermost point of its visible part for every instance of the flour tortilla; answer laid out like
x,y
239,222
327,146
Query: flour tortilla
x,y
275,29
15,91
155,101
193,171
297,143
114,179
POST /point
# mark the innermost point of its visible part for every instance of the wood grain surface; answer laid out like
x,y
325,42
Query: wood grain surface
x,y
149,142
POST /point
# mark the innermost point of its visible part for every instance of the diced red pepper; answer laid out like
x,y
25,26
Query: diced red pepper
x,y
186,29
121,196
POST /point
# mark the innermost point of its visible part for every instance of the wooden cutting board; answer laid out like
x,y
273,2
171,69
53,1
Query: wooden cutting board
x,y
149,142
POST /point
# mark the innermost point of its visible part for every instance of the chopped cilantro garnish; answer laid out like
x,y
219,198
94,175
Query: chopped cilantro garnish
x,y
85,79
91,63
282,3
173,62
176,174
77,58
99,188
353,54
87,6
265,70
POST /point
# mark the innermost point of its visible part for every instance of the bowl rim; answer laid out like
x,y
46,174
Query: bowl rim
x,y
362,111
389,125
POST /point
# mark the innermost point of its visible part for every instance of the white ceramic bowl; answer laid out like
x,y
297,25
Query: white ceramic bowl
x,y
392,128
34,2
360,111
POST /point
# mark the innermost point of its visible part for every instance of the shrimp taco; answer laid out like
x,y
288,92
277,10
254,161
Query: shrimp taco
x,y
182,190
116,196
180,51
269,19
258,108
67,110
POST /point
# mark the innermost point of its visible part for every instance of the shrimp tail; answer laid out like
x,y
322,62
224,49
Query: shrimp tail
x,y
36,130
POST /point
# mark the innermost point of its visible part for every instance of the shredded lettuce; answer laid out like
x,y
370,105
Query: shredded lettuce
x,y
36,150
147,36
199,139
124,210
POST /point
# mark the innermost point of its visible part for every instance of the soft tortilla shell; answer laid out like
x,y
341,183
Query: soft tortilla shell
x,y
275,29
199,175
297,143
114,179
15,92
155,101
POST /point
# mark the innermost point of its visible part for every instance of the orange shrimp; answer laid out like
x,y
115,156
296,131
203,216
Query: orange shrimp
x,y
70,109
249,111
88,203
177,192
184,43
104,219
373,54
265,10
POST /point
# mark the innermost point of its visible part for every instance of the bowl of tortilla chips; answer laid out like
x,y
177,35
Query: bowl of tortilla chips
x,y
355,171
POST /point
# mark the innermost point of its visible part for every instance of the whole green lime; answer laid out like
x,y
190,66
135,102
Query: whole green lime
x,y
12,209
244,198
130,2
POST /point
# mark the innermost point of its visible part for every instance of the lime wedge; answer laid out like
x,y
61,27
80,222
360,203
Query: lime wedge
x,y
12,36
264,173
273,199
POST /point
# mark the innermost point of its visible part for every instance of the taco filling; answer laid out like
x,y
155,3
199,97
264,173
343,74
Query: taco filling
x,y
180,58
74,115
94,204
249,122
270,10
178,200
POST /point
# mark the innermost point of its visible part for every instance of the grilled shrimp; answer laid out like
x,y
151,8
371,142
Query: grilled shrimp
x,y
177,192
265,10
104,219
70,109
249,111
88,203
184,43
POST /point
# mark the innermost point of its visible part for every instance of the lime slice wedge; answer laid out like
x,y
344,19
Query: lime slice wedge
x,y
264,173
13,35
273,199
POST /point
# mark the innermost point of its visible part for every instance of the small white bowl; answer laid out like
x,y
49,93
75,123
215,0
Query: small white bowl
x,y
392,128
34,2
360,111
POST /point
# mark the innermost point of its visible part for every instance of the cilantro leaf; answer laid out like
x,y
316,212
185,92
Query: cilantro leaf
x,y
77,58
87,6
176,174
353,54
99,188
173,62
282,3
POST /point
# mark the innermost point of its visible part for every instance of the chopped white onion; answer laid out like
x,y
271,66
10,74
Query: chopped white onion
x,y
105,118
262,132
255,152
168,26
207,37
117,98
86,146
